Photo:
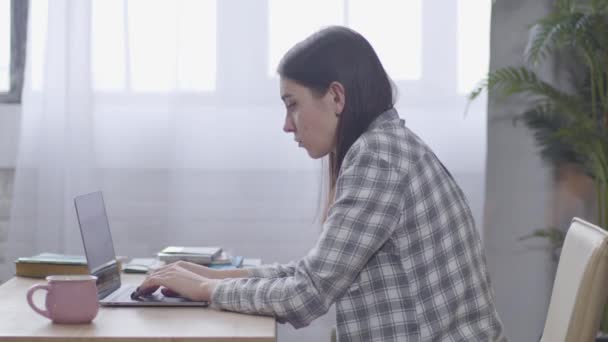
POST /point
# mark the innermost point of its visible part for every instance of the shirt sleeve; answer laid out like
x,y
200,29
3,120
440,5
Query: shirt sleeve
x,y
274,270
368,204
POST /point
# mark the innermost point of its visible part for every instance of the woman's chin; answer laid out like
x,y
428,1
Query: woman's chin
x,y
315,154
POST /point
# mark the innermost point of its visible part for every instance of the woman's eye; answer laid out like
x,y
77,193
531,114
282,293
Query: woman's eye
x,y
291,105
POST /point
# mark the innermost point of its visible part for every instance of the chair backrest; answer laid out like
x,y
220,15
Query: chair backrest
x,y
580,287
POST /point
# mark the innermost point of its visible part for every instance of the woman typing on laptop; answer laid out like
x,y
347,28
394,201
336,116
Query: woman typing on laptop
x,y
399,254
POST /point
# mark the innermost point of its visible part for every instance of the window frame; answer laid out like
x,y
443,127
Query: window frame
x,y
19,15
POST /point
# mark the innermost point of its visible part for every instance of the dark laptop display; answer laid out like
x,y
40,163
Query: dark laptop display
x,y
97,240
101,258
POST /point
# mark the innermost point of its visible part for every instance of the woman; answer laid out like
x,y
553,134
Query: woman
x,y
399,254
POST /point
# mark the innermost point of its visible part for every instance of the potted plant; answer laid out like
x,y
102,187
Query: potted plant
x,y
570,126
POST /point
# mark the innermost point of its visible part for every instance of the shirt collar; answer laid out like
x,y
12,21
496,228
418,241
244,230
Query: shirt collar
x,y
390,115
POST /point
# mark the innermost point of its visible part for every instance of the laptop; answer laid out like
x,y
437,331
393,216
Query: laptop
x,y
101,260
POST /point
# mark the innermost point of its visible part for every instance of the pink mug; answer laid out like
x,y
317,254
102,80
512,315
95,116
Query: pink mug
x,y
69,299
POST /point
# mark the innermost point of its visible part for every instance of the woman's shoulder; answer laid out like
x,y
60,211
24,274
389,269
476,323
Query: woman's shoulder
x,y
388,138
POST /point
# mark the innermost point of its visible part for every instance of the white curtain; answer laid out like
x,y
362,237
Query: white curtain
x,y
171,109
174,169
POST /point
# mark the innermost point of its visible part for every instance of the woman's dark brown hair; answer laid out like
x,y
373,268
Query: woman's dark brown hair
x,y
339,54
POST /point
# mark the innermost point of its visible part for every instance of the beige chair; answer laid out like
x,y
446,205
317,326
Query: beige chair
x,y
580,287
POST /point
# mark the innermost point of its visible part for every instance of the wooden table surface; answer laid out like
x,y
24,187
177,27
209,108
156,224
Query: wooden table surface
x,y
18,322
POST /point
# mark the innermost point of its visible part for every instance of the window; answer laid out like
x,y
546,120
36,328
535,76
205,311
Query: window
x,y
5,44
154,46
401,58
301,18
403,19
432,49
140,46
435,51
13,28
473,43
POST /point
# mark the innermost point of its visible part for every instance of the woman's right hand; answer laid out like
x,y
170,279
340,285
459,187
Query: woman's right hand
x,y
209,272
197,269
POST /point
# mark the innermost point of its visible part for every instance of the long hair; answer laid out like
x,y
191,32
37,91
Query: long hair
x,y
339,54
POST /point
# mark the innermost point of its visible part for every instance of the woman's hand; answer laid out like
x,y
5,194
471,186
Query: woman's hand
x,y
208,272
201,270
178,280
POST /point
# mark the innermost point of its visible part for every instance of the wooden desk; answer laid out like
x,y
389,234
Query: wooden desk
x,y
18,322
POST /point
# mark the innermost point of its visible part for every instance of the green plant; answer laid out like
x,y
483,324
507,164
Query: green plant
x,y
553,234
570,126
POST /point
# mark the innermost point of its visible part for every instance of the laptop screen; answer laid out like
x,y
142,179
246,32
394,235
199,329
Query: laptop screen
x,y
97,240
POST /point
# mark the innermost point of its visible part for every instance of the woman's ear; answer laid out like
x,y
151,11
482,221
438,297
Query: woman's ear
x,y
337,97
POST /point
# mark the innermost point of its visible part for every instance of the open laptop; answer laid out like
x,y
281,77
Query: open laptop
x,y
99,251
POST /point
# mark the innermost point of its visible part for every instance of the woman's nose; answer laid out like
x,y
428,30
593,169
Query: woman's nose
x,y
288,126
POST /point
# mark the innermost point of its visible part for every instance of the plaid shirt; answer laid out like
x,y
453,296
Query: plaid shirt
x,y
399,254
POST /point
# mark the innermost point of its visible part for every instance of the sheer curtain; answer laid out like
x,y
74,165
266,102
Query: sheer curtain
x,y
172,109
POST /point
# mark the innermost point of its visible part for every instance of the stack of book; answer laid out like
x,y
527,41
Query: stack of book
x,y
44,264
210,256
225,261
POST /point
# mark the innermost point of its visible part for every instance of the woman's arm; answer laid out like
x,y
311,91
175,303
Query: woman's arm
x,y
369,202
193,281
264,271
206,271
234,273
274,271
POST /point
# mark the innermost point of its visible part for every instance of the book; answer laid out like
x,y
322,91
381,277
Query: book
x,y
212,251
45,264
222,259
54,258
198,255
197,259
235,262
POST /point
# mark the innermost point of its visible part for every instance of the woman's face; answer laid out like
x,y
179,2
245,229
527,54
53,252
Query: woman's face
x,y
311,118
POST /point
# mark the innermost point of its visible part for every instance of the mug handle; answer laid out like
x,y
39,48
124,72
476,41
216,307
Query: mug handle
x,y
30,299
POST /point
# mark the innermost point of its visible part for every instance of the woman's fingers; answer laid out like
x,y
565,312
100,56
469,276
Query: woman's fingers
x,y
144,291
161,269
152,283
171,266
169,293
175,281
192,267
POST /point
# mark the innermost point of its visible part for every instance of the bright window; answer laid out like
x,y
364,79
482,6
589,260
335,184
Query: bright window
x,y
5,45
394,28
154,46
291,21
379,21
37,41
473,42
164,45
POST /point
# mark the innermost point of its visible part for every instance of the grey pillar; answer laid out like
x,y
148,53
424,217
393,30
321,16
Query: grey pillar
x,y
518,188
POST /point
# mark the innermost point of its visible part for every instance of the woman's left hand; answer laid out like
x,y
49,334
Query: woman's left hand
x,y
179,281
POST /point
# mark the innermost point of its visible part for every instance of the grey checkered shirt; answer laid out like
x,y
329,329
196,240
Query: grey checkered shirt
x,y
399,254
